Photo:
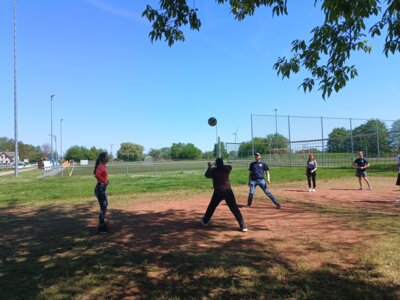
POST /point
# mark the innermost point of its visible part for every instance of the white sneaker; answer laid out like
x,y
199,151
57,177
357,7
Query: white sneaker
x,y
310,189
244,229
313,190
370,188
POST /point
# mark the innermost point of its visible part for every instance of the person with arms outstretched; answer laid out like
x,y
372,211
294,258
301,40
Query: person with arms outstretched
x,y
219,173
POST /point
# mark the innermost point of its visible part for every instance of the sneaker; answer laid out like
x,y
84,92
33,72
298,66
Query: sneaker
x,y
244,229
310,189
202,222
370,188
248,205
278,206
313,190
361,188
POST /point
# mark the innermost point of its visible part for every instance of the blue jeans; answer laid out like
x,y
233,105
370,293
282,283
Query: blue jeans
x,y
263,185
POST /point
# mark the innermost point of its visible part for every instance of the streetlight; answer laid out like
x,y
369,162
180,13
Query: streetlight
x,y
15,93
61,153
51,126
53,136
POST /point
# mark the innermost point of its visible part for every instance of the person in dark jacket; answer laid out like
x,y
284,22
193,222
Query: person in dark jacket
x,y
222,190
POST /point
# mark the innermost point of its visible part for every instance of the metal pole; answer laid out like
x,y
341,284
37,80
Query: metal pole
x,y
252,137
290,142
61,153
16,158
351,140
322,140
111,145
276,122
377,139
51,127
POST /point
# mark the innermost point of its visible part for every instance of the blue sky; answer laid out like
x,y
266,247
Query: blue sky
x,y
112,85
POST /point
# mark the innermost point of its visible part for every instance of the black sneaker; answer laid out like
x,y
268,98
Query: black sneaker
x,y
203,223
278,206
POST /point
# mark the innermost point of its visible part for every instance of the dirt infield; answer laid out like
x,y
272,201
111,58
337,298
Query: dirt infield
x,y
292,230
157,248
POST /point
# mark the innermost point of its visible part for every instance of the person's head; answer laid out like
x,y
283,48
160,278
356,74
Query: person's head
x,y
102,158
360,154
311,157
219,162
257,156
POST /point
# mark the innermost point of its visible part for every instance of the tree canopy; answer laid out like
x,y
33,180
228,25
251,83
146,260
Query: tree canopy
x,y
325,56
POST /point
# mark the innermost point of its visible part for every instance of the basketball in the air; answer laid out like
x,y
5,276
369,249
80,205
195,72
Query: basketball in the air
x,y
212,121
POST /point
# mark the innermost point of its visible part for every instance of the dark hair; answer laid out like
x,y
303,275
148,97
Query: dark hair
x,y
101,158
219,162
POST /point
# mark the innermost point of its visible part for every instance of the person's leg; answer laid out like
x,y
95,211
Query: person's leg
x,y
231,202
359,182
309,181
367,181
101,195
251,193
314,176
268,193
214,202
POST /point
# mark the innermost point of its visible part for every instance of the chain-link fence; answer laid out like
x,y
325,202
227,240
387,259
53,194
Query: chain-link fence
x,y
379,148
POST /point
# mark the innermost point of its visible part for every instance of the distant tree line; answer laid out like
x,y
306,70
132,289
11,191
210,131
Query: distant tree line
x,y
339,140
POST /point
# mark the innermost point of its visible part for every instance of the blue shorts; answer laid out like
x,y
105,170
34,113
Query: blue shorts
x,y
361,173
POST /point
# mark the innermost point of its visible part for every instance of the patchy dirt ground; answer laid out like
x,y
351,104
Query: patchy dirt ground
x,y
157,243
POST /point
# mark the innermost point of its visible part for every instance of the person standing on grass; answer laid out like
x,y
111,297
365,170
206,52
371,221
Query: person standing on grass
x,y
256,177
222,190
362,164
398,169
101,174
311,172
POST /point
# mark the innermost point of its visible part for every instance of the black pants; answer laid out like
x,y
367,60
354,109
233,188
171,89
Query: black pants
x,y
230,200
101,194
311,176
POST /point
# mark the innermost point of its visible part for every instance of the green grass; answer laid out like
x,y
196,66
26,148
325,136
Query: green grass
x,y
28,188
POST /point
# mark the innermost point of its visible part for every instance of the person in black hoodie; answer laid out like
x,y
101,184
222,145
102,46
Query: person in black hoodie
x,y
222,191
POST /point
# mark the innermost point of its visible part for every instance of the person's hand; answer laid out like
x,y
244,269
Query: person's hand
x,y
269,181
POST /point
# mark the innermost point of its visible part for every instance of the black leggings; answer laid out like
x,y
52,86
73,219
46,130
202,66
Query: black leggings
x,y
311,176
229,197
101,194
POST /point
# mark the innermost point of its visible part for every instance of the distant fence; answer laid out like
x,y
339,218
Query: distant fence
x,y
137,168
379,149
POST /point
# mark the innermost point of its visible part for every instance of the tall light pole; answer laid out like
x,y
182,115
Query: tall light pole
x,y
276,122
51,126
15,93
61,153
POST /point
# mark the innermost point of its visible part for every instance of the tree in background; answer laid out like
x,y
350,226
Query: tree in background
x,y
339,140
78,153
325,56
185,151
368,135
26,151
163,153
277,143
394,137
130,152
224,153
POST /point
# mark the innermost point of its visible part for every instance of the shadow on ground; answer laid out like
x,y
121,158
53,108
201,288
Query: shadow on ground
x,y
56,252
